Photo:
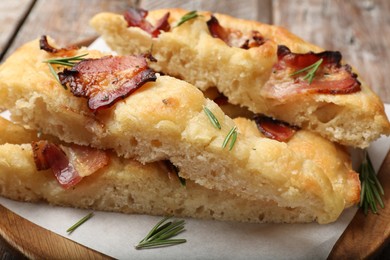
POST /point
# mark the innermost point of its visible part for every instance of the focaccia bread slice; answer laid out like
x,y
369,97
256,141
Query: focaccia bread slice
x,y
126,186
254,70
165,120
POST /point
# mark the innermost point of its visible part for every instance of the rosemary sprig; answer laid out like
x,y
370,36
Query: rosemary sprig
x,y
55,75
311,71
233,135
183,181
161,233
188,16
372,191
79,223
67,61
212,118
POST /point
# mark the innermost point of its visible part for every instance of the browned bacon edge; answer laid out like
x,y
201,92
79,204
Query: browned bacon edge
x,y
44,45
344,82
218,31
274,129
107,80
68,168
136,17
50,156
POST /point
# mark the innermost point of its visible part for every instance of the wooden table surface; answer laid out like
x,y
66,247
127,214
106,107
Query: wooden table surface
x,y
360,29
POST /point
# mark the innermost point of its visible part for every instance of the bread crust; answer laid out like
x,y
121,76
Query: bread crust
x,y
165,120
126,186
189,52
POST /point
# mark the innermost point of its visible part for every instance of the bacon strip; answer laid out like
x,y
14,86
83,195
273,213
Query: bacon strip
x,y
135,17
256,40
331,77
299,61
85,159
106,80
68,170
234,38
217,31
50,156
274,129
44,45
221,100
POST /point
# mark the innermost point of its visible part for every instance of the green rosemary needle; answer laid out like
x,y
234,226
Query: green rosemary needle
x,y
311,71
212,118
233,135
372,191
188,16
161,234
67,61
79,223
55,75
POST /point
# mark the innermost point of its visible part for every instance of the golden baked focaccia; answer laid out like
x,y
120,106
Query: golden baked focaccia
x,y
119,103
125,185
260,66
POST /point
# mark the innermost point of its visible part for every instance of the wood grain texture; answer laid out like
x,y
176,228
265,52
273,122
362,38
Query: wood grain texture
x,y
359,29
249,9
367,234
12,14
65,21
39,243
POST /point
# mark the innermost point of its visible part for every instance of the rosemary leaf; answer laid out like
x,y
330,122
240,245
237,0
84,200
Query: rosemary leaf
x,y
188,16
161,233
234,138
182,181
311,70
168,242
212,118
79,223
232,134
371,168
55,75
372,191
67,61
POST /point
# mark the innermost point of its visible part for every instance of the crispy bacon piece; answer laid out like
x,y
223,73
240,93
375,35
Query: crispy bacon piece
x,y
331,77
299,61
44,45
234,38
135,17
217,31
86,160
106,80
274,129
221,100
50,156
256,40
68,167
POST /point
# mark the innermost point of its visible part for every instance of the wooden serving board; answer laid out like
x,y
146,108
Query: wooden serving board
x,y
364,237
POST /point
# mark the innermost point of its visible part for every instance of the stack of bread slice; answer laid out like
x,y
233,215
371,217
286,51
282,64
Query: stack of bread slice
x,y
168,123
193,53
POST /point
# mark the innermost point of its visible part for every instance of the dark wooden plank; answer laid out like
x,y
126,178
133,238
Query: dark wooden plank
x,y
12,14
38,243
359,29
249,9
65,21
7,252
366,235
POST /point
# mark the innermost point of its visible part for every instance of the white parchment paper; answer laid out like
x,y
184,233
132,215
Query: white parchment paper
x,y
116,234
